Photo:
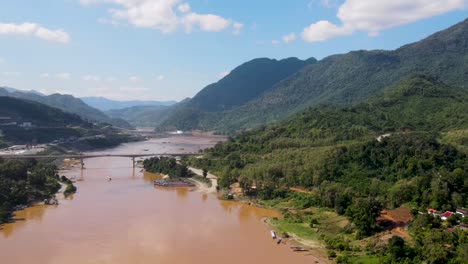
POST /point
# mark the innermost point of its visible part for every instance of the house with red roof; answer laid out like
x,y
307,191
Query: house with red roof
x,y
445,215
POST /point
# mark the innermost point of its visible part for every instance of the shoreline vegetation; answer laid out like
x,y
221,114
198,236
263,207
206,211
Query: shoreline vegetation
x,y
24,183
403,153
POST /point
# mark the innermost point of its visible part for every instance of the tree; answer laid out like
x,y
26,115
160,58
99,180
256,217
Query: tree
x,y
363,213
205,172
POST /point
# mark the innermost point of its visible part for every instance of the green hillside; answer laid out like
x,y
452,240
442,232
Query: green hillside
x,y
338,159
50,124
29,111
340,80
69,104
244,83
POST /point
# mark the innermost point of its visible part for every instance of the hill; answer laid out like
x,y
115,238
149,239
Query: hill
x,y
343,80
21,111
67,103
244,83
29,122
355,161
141,116
105,104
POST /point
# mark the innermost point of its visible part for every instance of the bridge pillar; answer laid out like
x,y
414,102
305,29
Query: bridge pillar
x,y
133,160
82,163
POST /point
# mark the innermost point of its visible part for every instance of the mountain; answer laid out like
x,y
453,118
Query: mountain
x,y
69,104
20,110
389,139
246,82
141,116
105,104
12,90
340,80
354,77
45,123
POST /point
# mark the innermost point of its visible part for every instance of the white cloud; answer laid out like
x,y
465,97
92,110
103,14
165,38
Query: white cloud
x,y
160,15
161,77
2,60
237,28
134,79
275,42
289,38
184,8
32,29
208,22
44,75
111,79
223,74
324,30
323,3
374,16
91,78
63,76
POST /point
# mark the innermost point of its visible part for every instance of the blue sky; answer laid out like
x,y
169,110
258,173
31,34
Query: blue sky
x,y
171,49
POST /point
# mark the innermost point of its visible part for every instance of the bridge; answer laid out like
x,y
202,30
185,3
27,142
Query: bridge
x,y
81,157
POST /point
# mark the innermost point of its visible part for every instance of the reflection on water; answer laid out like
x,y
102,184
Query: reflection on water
x,y
23,217
128,220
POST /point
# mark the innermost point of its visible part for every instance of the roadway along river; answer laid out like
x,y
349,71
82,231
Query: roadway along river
x,y
127,220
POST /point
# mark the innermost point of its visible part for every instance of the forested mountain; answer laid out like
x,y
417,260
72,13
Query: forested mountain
x,y
20,110
381,154
342,80
419,104
105,104
142,116
69,104
244,83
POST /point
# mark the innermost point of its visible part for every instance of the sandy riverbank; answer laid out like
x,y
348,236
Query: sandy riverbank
x,y
202,187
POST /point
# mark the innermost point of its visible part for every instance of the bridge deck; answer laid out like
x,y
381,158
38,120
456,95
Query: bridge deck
x,y
87,156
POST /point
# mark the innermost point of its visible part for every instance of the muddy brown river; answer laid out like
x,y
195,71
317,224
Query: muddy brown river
x,y
128,220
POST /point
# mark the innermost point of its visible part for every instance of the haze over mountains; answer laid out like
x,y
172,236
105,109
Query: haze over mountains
x,y
105,104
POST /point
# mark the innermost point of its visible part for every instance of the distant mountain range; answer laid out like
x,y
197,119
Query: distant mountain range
x,y
142,116
264,91
105,104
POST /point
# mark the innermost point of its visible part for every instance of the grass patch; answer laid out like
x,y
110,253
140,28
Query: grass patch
x,y
365,259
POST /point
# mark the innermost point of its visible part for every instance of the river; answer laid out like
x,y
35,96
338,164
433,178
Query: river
x,y
128,220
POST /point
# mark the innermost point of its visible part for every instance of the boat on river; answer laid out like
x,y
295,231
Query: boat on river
x,y
166,183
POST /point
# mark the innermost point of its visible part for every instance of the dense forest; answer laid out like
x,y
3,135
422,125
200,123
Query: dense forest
x,y
405,147
168,166
25,182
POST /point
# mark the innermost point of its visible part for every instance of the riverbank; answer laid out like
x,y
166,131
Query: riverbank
x,y
201,186
315,247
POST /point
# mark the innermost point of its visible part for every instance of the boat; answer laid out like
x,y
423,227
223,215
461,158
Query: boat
x,y
273,234
299,249
109,178
165,183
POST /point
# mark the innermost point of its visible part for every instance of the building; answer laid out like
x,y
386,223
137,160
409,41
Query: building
x,y
445,215
462,211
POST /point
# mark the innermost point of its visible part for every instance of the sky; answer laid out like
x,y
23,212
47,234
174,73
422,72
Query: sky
x,y
171,49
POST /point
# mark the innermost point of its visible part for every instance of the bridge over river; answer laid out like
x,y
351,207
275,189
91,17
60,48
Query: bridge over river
x,y
82,157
